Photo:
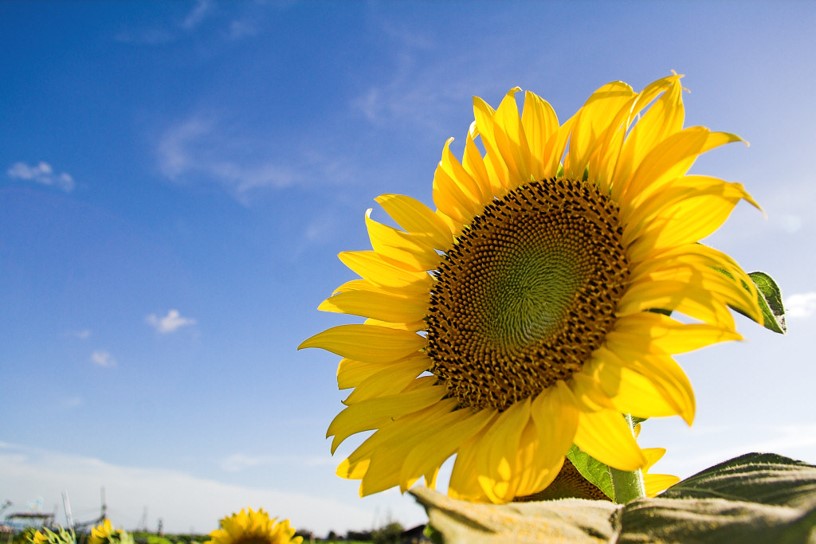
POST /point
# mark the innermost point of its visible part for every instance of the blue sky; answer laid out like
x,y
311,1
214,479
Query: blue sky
x,y
176,179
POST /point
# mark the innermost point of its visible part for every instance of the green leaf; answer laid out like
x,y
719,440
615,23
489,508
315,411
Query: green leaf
x,y
713,521
770,301
757,497
765,478
577,521
593,470
752,498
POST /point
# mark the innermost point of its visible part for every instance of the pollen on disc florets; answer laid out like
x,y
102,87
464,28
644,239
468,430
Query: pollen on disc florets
x,y
527,292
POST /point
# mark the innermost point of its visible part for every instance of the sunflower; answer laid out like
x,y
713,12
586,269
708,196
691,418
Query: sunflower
x,y
47,536
104,533
101,532
251,527
545,296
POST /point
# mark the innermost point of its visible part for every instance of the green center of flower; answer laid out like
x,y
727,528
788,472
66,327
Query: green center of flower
x,y
527,293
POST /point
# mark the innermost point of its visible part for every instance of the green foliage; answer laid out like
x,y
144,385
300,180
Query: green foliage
x,y
388,534
143,537
752,498
47,536
593,470
770,301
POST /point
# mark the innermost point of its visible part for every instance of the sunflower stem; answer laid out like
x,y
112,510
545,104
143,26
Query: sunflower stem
x,y
627,485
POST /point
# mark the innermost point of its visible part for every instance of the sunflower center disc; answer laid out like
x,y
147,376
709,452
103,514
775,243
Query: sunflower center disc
x,y
527,293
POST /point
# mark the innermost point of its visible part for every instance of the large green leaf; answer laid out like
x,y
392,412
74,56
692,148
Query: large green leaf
x,y
578,521
764,478
752,498
713,521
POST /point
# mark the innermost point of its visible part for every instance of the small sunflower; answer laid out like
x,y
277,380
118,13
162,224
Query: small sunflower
x,y
47,536
529,310
104,533
253,527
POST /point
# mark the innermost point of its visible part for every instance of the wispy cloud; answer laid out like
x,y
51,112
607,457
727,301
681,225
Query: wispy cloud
x,y
239,461
103,358
198,148
426,88
199,12
238,29
186,502
800,305
42,173
171,322
81,334
72,402
202,14
146,36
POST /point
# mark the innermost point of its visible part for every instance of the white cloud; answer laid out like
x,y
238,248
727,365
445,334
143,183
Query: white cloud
x,y
199,148
800,305
82,334
73,402
147,36
241,29
168,31
103,358
186,503
172,322
239,461
197,14
43,174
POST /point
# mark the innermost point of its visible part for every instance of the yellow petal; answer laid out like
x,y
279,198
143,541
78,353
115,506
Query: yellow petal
x,y
694,218
476,193
591,122
511,140
366,342
663,118
372,413
672,158
391,379
416,217
637,215
373,268
390,435
540,123
496,458
451,198
632,392
675,295
669,335
414,326
485,125
534,470
653,455
464,484
606,436
587,391
656,483
662,372
409,250
702,276
444,438
378,304
352,373
474,165
555,418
